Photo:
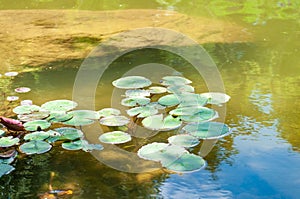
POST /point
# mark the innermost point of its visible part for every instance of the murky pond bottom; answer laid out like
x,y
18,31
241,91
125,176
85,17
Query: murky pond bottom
x,y
260,159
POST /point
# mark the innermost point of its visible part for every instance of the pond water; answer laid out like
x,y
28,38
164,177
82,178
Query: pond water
x,y
259,159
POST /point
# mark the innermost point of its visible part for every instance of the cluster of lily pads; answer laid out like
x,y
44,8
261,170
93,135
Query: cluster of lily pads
x,y
164,106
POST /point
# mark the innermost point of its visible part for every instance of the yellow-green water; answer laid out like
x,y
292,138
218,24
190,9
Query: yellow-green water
x,y
260,159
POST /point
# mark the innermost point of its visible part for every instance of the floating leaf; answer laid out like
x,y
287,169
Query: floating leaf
x,y
34,116
169,100
68,133
5,169
22,90
157,90
8,157
161,152
77,121
60,116
216,98
12,98
183,140
38,135
73,145
204,116
132,82
115,137
108,112
174,80
191,99
26,109
156,105
114,121
207,130
36,125
134,101
157,122
142,111
11,74
2,132
89,147
35,147
8,141
177,89
186,163
87,114
59,105
137,93
26,102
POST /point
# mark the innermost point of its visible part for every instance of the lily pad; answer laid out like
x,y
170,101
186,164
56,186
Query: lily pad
x,y
132,82
59,105
207,130
142,111
204,116
191,99
8,157
60,116
68,133
12,98
22,90
184,140
33,116
115,137
11,74
76,121
114,121
137,93
216,98
161,152
8,141
105,112
26,109
38,135
90,147
157,122
169,100
5,169
35,147
135,101
157,90
186,163
177,89
73,145
86,114
36,125
174,80
2,132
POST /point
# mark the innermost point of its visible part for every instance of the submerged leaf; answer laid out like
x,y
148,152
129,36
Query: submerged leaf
x,y
59,105
115,137
36,125
35,147
207,130
114,121
132,82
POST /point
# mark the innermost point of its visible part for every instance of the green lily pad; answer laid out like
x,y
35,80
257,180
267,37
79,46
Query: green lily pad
x,y
68,133
78,121
215,97
105,112
142,111
157,122
156,105
132,82
5,169
38,135
87,114
35,147
114,121
36,125
169,100
174,80
203,116
115,137
207,130
33,116
161,152
177,89
135,101
186,163
2,132
157,90
59,105
26,109
184,140
73,145
137,93
60,116
8,141
191,99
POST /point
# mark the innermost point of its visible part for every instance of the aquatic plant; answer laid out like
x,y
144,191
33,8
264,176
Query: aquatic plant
x,y
162,106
